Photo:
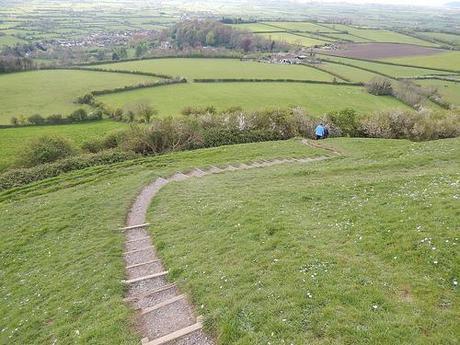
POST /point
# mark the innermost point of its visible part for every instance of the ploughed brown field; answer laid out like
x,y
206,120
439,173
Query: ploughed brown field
x,y
380,50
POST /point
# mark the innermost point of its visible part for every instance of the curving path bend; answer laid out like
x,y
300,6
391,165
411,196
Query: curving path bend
x,y
164,315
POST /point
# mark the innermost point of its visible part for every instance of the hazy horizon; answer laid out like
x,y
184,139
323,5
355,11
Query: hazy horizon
x,y
431,3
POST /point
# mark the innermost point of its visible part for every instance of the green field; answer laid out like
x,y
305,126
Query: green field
x,y
316,99
9,40
449,90
298,26
12,140
380,35
351,73
62,264
220,68
254,27
359,250
443,37
54,91
345,37
449,61
391,70
297,39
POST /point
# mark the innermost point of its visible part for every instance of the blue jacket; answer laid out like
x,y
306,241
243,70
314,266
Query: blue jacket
x,y
319,130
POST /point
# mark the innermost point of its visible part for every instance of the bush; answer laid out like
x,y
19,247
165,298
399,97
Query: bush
x,y
379,86
345,120
20,177
195,110
411,125
45,149
55,119
36,119
14,121
78,115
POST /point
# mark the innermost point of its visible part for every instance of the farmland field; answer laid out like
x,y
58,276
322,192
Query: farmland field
x,y
391,70
361,250
296,39
13,139
380,35
54,91
353,74
254,27
298,26
449,61
316,99
220,68
444,37
450,91
382,50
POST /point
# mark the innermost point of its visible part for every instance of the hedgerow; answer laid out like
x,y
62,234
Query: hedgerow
x,y
22,176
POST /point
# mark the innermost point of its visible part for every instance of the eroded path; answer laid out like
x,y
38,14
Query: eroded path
x,y
164,315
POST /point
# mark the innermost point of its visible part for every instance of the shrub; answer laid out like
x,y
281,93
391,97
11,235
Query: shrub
x,y
195,110
411,125
78,115
14,121
379,86
409,93
86,99
55,119
36,119
346,121
23,176
45,149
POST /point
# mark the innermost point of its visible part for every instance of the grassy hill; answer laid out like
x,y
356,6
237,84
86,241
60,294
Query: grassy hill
x,y
334,252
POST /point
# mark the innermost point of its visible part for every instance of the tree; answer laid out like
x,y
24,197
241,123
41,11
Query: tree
x,y
210,38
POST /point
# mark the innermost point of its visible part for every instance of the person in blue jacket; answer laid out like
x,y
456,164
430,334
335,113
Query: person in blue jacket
x,y
320,131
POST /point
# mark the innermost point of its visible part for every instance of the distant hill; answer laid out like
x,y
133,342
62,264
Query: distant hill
x,y
453,4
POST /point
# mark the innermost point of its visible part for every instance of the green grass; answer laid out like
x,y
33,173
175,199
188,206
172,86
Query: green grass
x,y
53,91
12,140
351,73
220,68
392,70
450,91
449,60
253,27
449,38
316,99
9,40
358,250
299,26
297,39
61,260
341,37
380,35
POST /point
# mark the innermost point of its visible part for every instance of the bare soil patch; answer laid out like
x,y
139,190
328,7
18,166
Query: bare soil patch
x,y
379,50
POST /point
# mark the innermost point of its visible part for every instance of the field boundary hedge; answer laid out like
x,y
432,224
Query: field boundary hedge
x,y
361,68
336,75
190,56
253,80
158,83
431,77
148,74
391,63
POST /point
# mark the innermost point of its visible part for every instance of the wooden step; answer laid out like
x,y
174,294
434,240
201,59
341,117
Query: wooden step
x,y
175,335
138,250
142,264
150,276
162,304
135,226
